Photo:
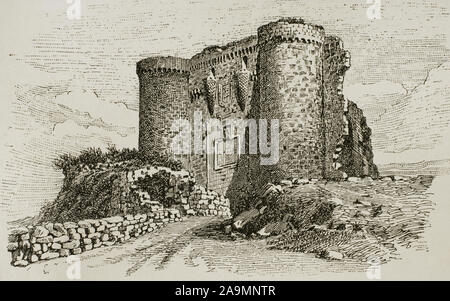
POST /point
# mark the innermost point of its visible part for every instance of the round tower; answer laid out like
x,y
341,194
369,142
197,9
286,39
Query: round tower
x,y
291,90
163,98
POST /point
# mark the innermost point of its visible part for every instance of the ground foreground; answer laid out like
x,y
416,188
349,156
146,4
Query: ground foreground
x,y
363,219
198,248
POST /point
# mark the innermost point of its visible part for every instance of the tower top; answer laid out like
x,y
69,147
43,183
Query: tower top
x,y
163,64
291,29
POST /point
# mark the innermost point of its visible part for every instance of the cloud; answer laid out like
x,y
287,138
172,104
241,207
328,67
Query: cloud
x,y
377,89
92,136
42,117
412,126
114,114
375,99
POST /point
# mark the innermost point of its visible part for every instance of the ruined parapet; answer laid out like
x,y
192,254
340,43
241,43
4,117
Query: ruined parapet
x,y
290,89
336,62
164,97
356,157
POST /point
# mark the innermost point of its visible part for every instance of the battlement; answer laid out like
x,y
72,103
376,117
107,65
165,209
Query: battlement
x,y
163,64
291,29
214,55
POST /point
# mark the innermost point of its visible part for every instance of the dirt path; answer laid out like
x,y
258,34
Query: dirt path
x,y
192,249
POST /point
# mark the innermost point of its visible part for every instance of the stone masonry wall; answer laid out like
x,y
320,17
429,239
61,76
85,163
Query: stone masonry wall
x,y
177,197
290,83
291,71
336,62
226,95
356,159
164,98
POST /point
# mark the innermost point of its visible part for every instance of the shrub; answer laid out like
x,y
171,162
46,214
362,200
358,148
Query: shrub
x,y
92,156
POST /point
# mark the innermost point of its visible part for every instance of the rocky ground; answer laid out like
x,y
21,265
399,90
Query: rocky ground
x,y
362,219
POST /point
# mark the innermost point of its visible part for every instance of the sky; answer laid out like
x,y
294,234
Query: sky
x,y
70,84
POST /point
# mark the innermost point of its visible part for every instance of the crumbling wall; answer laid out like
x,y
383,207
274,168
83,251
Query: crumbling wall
x,y
356,157
336,63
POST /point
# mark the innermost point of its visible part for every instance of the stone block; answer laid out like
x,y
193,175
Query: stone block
x,y
45,240
70,225
49,255
40,231
71,244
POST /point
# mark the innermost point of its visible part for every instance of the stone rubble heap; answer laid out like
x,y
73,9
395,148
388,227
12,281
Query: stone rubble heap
x,y
206,202
180,186
194,199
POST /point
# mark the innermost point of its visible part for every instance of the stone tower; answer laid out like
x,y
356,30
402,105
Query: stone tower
x,y
290,89
164,97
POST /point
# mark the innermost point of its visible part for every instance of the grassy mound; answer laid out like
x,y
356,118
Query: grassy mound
x,y
88,195
92,191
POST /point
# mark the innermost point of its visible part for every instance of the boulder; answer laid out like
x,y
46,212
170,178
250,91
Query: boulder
x,y
64,252
336,201
21,263
227,229
12,246
56,246
354,179
286,183
25,236
61,239
70,225
71,244
19,231
84,224
114,219
335,255
245,217
34,258
45,240
40,231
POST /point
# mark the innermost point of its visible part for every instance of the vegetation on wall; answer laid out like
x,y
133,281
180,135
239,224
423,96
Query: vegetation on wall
x,y
93,156
100,192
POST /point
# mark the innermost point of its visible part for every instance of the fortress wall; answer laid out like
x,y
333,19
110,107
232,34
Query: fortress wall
x,y
357,157
164,97
198,161
225,96
290,88
335,64
290,71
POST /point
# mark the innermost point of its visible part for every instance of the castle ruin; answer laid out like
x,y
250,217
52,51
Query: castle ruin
x,y
291,71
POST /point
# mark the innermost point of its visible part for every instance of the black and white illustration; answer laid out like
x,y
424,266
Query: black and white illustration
x,y
200,140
